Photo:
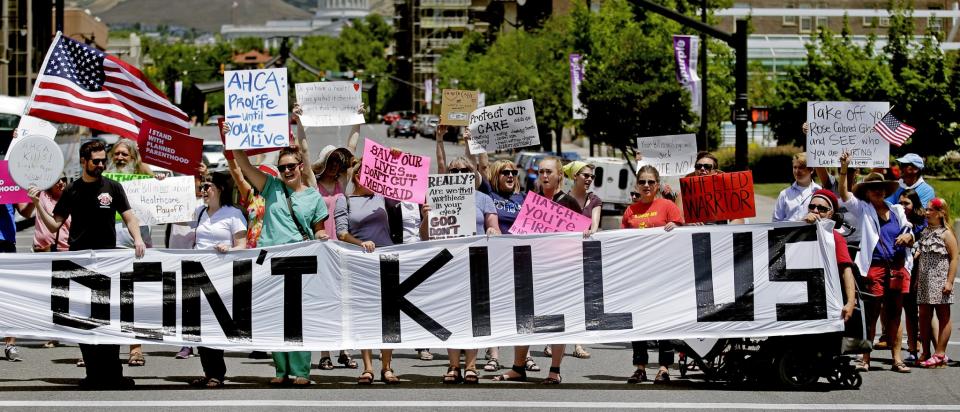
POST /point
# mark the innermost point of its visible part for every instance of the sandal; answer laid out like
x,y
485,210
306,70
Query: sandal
x,y
81,363
935,362
214,383
547,351
492,365
348,362
325,364
900,367
530,365
553,381
580,353
452,377
862,366
519,370
425,355
639,375
390,379
470,377
200,382
365,378
279,381
300,382
136,359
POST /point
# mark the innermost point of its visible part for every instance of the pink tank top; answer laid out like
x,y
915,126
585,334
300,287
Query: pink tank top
x,y
330,199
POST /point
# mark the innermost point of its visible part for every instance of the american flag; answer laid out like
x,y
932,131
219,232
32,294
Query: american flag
x,y
82,85
891,129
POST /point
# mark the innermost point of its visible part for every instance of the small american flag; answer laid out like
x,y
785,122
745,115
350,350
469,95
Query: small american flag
x,y
82,85
891,129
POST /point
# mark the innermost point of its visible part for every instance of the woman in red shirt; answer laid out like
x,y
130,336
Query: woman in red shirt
x,y
648,211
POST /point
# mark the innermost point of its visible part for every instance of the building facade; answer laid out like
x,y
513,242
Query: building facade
x,y
328,20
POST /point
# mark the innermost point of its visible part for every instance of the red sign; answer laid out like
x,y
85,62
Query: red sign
x,y
9,191
229,153
166,148
722,196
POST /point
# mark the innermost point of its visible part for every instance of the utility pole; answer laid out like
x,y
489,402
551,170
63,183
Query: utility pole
x,y
738,41
704,119
59,15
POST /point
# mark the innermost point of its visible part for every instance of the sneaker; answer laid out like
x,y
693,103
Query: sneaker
x,y
662,377
185,353
911,358
12,352
425,355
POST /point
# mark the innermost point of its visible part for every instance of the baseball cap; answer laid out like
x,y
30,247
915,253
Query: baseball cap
x,y
912,158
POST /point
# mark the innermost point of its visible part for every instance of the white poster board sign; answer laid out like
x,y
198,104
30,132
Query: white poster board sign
x,y
170,200
330,103
503,126
672,155
35,161
256,108
453,211
32,126
836,127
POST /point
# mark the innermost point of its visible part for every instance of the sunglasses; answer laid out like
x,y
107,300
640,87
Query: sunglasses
x,y
641,182
206,186
586,175
462,170
818,208
509,173
704,166
287,167
635,195
99,161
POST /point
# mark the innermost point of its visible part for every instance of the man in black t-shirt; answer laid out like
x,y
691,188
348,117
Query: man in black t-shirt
x,y
92,202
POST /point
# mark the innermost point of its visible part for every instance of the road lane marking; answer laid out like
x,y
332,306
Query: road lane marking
x,y
468,404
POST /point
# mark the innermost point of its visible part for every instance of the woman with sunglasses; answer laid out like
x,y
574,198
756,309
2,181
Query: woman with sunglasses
x,y
887,234
282,195
649,211
222,227
824,205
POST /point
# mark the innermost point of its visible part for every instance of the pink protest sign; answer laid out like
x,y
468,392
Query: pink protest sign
x,y
541,215
9,191
394,174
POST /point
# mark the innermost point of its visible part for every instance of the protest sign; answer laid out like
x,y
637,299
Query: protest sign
x,y
32,126
330,103
9,191
541,215
672,155
456,106
503,126
228,154
166,148
722,196
396,175
836,127
155,202
472,292
124,177
35,161
256,108
453,211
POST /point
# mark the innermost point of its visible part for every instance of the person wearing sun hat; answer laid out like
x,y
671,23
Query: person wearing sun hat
x,y
911,177
887,236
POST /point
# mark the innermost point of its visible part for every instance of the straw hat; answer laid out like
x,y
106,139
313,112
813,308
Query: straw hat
x,y
875,180
321,164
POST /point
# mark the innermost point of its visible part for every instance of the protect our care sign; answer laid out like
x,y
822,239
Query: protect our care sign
x,y
394,174
672,155
453,211
503,126
708,282
457,105
171,200
835,127
170,149
9,191
35,161
330,103
721,196
256,108
541,215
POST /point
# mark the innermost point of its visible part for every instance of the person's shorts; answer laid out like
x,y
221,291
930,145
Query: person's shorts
x,y
879,284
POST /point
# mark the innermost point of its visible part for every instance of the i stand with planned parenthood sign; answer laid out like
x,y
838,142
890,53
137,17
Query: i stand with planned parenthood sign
x,y
837,127
256,108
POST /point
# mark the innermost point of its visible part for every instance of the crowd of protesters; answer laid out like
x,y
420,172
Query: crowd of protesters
x,y
896,237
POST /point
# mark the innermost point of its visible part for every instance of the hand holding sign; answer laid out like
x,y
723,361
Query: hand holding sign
x,y
833,127
453,212
541,215
394,174
35,161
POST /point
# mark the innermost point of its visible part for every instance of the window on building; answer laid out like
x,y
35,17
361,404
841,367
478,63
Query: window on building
x,y
790,21
868,21
883,21
935,23
806,22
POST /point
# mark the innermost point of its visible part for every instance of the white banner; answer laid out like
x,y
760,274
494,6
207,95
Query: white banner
x,y
836,127
155,201
453,210
503,126
256,108
330,103
618,286
672,155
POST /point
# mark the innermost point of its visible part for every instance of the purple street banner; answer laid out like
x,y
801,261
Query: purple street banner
x,y
576,77
685,49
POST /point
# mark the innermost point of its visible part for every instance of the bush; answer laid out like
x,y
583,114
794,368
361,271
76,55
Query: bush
x,y
769,164
946,166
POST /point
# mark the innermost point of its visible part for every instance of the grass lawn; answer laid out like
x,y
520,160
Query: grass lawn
x,y
949,190
773,189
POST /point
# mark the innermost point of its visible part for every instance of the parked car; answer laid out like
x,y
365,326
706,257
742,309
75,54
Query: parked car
x,y
402,127
212,153
391,117
427,125
530,162
613,182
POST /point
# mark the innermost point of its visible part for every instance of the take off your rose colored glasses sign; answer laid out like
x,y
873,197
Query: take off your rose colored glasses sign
x,y
541,215
394,174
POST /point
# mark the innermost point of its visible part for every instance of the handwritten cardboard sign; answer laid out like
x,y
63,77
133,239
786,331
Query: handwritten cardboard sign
x,y
541,215
155,202
836,127
9,191
35,161
722,196
503,126
453,211
229,153
330,103
166,148
397,175
457,105
672,155
30,125
256,108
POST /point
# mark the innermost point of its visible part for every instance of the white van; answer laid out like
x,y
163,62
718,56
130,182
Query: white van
x,y
613,182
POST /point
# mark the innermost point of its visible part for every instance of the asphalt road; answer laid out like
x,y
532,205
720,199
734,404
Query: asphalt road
x,y
46,379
